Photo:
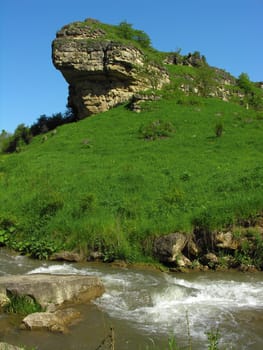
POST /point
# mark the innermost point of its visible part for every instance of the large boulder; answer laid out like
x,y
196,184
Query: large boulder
x,y
50,290
101,73
57,321
169,247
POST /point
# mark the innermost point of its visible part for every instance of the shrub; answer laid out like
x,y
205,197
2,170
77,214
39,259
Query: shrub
x,y
156,129
253,94
40,249
126,32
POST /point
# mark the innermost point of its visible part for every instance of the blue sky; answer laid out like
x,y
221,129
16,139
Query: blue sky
x,y
228,32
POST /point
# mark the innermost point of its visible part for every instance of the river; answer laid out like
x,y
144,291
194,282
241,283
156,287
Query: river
x,y
146,307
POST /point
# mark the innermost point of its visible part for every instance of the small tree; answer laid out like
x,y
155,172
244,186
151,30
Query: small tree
x,y
244,83
125,30
205,80
253,94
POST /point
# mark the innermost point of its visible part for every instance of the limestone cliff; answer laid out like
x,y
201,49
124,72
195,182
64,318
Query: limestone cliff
x,y
101,72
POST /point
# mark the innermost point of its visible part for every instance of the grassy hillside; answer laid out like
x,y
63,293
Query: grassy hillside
x,y
108,183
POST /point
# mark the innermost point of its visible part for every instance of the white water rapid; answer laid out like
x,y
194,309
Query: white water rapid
x,y
178,304
147,307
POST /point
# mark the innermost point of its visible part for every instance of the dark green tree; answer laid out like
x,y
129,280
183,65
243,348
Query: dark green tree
x,y
126,32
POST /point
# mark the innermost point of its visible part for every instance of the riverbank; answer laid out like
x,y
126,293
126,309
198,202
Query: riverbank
x,y
239,248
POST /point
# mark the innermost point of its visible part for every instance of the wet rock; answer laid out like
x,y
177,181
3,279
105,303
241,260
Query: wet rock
x,y
6,346
96,256
247,268
67,256
210,259
54,322
119,263
53,289
4,300
183,261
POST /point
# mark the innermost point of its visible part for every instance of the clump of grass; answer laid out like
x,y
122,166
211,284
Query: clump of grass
x,y
213,337
22,305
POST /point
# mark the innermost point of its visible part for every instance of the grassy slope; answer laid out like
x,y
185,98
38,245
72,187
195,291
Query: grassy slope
x,y
96,183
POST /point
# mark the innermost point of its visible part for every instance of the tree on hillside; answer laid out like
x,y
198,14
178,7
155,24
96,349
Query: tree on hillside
x,y
47,123
22,136
244,83
253,94
3,136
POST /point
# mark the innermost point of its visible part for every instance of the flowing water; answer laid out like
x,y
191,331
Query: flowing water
x,y
146,307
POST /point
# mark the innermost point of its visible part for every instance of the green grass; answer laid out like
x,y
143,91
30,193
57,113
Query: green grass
x,y
97,184
22,305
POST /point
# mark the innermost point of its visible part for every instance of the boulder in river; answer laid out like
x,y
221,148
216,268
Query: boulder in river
x,y
50,290
51,321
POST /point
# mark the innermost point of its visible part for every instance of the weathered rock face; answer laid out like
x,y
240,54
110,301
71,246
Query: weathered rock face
x,y
50,290
101,73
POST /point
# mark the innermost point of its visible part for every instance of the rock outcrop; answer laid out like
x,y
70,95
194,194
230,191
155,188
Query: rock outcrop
x,y
237,247
52,290
101,72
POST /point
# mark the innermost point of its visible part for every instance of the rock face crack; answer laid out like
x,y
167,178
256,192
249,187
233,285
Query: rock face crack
x,y
105,59
101,73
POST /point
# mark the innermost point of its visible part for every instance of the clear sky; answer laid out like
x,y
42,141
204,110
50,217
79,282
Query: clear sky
x,y
228,32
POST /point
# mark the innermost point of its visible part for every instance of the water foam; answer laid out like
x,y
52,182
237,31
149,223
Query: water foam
x,y
65,269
